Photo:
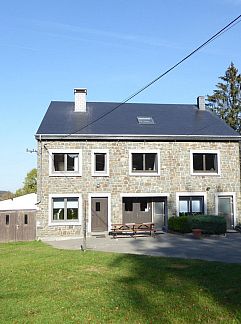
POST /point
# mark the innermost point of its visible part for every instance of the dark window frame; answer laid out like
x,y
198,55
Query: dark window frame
x,y
144,156
189,199
201,159
65,210
65,161
105,163
26,218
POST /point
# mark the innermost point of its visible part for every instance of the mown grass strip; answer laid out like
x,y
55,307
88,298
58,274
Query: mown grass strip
x,y
40,284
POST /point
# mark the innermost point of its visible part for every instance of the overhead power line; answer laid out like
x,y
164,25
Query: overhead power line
x,y
211,39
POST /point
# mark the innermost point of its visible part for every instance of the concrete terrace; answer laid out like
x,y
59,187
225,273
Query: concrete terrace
x,y
213,248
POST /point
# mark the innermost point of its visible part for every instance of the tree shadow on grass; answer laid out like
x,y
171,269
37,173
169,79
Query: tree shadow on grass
x,y
166,290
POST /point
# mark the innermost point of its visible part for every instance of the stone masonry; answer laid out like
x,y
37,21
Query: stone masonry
x,y
174,177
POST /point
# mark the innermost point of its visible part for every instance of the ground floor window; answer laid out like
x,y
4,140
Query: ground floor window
x,y
65,209
191,205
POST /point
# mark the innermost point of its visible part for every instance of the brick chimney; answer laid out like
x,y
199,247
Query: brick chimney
x,y
201,103
80,99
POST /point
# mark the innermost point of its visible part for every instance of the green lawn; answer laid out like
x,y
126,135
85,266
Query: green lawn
x,y
40,284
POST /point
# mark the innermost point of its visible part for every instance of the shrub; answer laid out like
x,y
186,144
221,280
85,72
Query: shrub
x,y
209,224
179,224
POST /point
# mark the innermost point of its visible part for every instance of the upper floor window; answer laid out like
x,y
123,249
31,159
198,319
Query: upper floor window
x,y
100,162
205,162
144,163
64,162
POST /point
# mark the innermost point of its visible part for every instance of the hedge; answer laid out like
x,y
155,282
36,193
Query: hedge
x,y
179,224
209,224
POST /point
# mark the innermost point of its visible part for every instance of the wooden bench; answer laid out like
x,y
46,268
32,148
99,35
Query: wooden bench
x,y
133,229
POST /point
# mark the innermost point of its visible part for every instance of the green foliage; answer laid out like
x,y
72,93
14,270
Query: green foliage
x,y
209,224
29,185
226,99
6,195
179,224
40,284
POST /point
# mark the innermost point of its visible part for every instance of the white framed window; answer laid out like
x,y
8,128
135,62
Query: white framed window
x,y
144,162
64,162
65,209
100,162
205,162
191,203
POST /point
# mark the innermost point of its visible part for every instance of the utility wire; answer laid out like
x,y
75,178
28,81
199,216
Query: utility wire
x,y
219,33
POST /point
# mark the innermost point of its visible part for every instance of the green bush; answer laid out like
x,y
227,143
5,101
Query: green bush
x,y
179,224
209,224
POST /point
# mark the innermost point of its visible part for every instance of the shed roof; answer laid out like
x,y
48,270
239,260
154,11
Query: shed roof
x,y
26,202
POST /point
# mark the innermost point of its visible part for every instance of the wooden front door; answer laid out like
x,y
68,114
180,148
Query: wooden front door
x,y
99,214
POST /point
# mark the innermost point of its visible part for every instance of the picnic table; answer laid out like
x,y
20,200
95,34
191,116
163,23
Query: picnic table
x,y
133,229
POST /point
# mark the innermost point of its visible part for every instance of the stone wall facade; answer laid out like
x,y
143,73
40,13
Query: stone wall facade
x,y
175,177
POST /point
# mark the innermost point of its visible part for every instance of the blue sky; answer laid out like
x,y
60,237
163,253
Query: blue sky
x,y
112,48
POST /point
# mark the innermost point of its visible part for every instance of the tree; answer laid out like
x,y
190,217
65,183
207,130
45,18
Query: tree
x,y
6,195
226,99
29,184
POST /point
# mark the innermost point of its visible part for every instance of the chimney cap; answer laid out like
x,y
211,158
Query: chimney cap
x,y
80,90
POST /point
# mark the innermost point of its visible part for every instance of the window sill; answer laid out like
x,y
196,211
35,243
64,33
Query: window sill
x,y
205,174
65,174
100,174
144,174
64,223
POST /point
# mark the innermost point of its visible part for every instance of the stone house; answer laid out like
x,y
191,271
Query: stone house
x,y
101,163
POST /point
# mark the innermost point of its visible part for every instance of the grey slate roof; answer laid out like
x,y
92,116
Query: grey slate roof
x,y
176,121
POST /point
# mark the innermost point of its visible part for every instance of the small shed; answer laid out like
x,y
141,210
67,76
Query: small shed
x,y
18,218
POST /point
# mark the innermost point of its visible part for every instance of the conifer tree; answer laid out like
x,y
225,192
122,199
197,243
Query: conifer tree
x,y
226,99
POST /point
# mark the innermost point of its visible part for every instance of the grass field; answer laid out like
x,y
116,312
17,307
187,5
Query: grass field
x,y
40,284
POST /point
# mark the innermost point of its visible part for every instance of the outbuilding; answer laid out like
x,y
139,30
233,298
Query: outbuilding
x,y
18,218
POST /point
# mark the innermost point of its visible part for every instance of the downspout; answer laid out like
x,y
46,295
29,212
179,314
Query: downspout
x,y
40,157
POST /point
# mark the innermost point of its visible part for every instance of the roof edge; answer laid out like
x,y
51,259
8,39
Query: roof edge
x,y
137,137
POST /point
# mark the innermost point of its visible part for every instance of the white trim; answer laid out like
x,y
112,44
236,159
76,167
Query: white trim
x,y
149,194
142,137
205,173
64,223
100,195
145,174
65,173
95,173
233,194
188,194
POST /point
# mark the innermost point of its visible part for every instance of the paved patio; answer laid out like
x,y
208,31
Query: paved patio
x,y
213,248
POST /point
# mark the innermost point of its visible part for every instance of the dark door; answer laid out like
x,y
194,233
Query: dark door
x,y
137,210
99,214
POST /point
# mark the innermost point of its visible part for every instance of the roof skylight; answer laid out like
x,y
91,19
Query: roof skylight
x,y
145,120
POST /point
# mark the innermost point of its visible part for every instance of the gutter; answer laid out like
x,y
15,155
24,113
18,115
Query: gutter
x,y
123,137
